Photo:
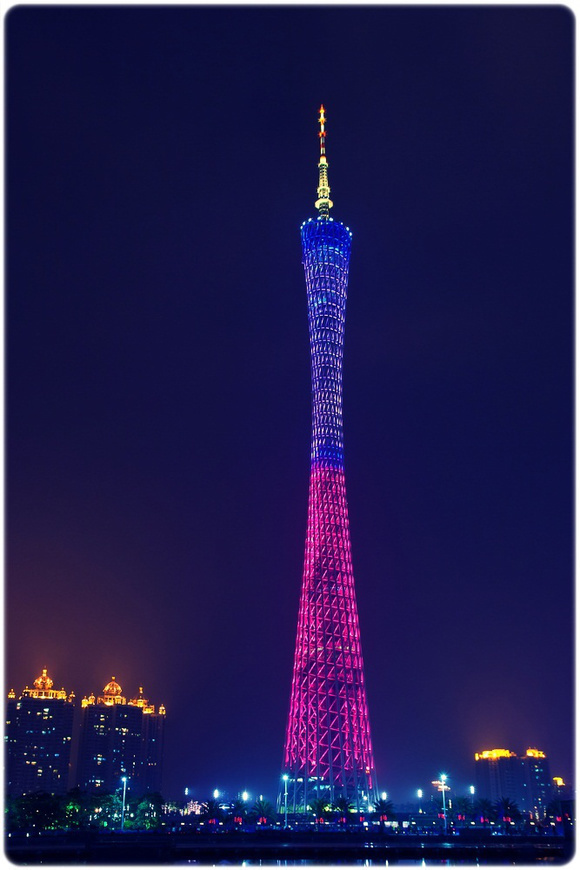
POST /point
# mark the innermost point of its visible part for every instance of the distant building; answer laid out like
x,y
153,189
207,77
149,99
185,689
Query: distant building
x,y
152,743
497,775
537,783
500,773
38,736
120,738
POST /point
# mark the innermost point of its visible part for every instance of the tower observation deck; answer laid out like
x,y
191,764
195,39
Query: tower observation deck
x,y
328,752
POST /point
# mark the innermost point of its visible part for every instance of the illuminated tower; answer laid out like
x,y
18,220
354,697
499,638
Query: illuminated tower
x,y
328,752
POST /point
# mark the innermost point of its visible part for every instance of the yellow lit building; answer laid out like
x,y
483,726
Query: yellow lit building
x,y
38,735
120,738
537,782
500,773
497,774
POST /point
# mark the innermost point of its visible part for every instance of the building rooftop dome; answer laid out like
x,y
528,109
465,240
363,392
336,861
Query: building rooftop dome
x,y
43,681
112,688
43,688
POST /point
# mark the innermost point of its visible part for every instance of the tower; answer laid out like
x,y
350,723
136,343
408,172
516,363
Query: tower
x,y
38,735
328,751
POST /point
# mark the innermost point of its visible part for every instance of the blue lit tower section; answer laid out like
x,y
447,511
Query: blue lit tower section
x,y
328,752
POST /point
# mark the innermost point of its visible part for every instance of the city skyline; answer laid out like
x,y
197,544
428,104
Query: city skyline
x,y
158,167
499,773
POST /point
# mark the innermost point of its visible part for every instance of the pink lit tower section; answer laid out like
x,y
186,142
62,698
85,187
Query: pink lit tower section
x,y
328,752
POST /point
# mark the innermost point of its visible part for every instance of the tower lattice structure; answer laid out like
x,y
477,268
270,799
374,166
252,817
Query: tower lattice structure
x,y
328,750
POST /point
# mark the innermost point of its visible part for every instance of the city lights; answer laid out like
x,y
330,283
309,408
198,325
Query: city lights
x,y
442,786
181,372
494,753
535,753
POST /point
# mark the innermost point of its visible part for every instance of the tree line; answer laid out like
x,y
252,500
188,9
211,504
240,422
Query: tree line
x,y
78,810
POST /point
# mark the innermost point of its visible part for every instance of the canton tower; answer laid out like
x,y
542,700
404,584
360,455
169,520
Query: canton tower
x,y
328,752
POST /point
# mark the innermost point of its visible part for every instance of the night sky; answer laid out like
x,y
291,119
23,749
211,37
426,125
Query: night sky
x,y
159,164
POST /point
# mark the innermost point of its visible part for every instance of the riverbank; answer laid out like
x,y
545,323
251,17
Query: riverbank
x,y
288,847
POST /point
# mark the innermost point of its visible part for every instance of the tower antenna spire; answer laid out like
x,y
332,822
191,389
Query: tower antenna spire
x,y
323,203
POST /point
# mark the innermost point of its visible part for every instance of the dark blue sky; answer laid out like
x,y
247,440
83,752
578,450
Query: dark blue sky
x,y
159,164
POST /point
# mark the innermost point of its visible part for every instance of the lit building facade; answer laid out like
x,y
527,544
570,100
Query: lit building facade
x,y
328,751
500,773
120,738
38,736
538,784
152,743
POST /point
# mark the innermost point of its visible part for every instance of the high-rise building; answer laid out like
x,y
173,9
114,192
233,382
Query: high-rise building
x,y
120,738
328,751
152,743
500,773
537,783
39,726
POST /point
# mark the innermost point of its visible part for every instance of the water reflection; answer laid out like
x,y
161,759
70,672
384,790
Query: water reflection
x,y
366,862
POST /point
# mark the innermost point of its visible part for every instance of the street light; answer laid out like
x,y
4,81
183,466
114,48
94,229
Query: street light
x,y
216,793
383,795
472,793
245,795
285,778
124,779
420,796
441,785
